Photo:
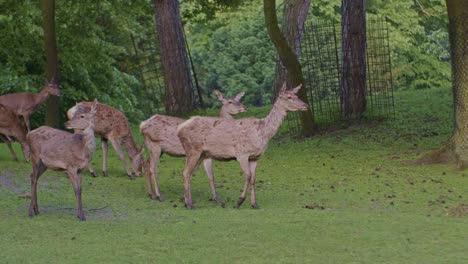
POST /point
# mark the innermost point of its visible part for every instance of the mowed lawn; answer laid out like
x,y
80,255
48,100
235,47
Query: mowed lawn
x,y
344,196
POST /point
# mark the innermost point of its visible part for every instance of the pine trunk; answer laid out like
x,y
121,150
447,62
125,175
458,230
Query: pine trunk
x,y
288,57
52,117
174,61
353,68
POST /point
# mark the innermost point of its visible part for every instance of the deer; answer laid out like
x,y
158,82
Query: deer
x,y
244,140
112,125
12,127
62,150
160,136
25,103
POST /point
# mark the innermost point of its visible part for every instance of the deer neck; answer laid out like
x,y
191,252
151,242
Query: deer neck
x,y
130,146
273,121
41,97
89,142
224,114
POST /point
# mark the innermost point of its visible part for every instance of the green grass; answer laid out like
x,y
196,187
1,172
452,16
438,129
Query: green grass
x,y
346,196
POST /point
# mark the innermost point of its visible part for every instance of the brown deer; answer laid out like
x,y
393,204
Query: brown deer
x,y
112,125
58,149
12,127
244,140
25,103
160,136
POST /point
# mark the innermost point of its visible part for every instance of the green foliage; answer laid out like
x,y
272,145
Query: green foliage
x,y
342,197
234,53
93,41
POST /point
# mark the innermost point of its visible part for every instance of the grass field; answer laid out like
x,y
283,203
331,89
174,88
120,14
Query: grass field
x,y
346,196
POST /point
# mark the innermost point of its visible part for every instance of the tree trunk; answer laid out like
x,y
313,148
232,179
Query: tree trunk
x,y
353,67
288,58
456,150
52,117
174,61
294,16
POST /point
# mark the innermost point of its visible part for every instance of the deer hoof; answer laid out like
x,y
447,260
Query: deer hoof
x,y
93,174
191,207
104,173
255,206
239,202
131,177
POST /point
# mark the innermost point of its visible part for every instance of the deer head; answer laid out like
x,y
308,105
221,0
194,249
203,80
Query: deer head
x,y
232,106
83,120
51,88
138,162
289,99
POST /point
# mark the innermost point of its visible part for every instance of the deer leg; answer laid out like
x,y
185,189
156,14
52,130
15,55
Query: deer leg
x,y
7,141
75,178
253,169
117,148
38,169
26,121
104,156
191,163
244,162
155,154
208,164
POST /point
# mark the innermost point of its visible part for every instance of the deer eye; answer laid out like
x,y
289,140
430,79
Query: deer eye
x,y
289,97
82,116
230,102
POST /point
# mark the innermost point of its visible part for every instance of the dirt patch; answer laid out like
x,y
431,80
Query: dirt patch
x,y
8,183
460,210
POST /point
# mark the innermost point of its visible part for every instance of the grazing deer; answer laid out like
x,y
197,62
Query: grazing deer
x,y
112,125
160,135
244,140
25,103
58,149
12,126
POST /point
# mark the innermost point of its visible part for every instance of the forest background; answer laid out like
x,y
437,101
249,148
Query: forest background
x,y
230,48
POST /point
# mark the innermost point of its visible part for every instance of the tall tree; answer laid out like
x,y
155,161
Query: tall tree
x,y
456,150
174,61
52,106
294,16
287,56
353,66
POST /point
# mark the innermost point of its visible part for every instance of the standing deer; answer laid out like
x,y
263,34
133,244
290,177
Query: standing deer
x,y
112,125
25,103
160,135
244,140
12,126
58,149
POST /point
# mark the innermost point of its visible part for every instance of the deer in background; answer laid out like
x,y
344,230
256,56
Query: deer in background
x,y
12,127
62,150
25,103
160,136
244,140
112,125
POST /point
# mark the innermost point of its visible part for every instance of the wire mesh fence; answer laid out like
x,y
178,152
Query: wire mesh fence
x,y
145,63
321,62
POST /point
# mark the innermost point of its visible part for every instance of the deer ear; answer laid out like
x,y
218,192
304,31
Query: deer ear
x,y
94,107
219,95
295,90
283,88
239,96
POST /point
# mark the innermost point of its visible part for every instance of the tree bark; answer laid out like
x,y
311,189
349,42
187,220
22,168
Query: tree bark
x,y
456,150
353,67
174,61
52,117
288,57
